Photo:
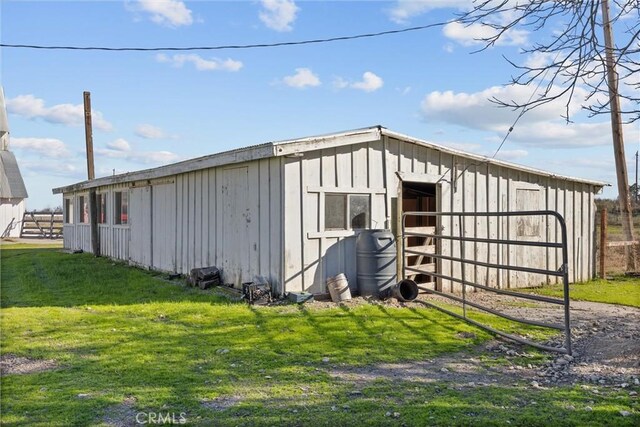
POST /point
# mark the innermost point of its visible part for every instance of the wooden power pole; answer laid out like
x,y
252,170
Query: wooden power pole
x,y
624,198
93,197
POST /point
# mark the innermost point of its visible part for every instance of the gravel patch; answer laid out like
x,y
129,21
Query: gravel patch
x,y
12,364
605,341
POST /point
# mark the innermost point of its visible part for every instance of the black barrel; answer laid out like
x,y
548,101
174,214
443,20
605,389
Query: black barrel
x,y
376,261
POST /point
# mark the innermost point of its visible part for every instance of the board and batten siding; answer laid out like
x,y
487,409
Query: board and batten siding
x,y
227,216
312,255
11,210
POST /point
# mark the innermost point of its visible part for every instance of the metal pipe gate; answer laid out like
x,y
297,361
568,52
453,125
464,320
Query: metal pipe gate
x,y
562,271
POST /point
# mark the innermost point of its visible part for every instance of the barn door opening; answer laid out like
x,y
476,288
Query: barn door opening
x,y
420,197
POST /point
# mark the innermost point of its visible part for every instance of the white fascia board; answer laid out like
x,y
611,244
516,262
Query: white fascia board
x,y
292,147
226,158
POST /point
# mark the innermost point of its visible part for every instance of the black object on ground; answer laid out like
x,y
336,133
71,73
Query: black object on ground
x,y
257,292
405,290
204,277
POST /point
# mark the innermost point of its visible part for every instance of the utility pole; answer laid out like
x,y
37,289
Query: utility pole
x,y
88,134
618,143
636,190
93,197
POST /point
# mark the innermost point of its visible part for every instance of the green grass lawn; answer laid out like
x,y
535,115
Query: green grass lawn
x,y
127,341
619,290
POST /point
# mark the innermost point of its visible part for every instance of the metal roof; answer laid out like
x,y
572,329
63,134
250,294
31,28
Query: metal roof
x,y
11,183
292,147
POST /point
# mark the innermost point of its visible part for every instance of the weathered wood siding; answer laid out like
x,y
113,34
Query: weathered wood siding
x,y
11,210
230,217
311,254
267,217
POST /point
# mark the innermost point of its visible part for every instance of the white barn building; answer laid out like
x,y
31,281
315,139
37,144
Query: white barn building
x,y
290,211
12,189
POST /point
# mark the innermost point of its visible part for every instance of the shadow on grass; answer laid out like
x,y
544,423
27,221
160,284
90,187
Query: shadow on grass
x,y
51,278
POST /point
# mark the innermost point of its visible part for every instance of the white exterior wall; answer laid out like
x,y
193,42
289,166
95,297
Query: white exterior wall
x,y
266,217
312,254
11,209
228,216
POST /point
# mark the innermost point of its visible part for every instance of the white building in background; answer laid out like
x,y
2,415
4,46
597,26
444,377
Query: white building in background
x,y
12,189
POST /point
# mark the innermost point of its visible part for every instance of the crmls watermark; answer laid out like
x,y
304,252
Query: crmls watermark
x,y
161,418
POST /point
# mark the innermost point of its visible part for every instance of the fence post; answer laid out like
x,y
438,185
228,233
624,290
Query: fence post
x,y
603,242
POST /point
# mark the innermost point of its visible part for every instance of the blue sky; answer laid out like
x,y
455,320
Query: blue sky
x,y
153,108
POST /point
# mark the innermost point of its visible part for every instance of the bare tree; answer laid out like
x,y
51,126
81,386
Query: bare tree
x,y
574,53
579,56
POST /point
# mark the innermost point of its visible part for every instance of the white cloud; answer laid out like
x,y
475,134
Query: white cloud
x,y
475,110
121,149
148,131
278,14
60,169
303,78
201,64
542,126
170,13
538,59
340,83
44,147
369,83
474,34
119,144
68,114
404,10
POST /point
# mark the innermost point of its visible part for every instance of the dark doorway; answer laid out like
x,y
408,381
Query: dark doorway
x,y
421,197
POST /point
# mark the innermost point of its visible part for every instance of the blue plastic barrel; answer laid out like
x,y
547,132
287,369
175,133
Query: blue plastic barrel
x,y
376,261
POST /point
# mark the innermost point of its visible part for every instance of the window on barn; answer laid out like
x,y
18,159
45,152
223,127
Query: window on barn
x,y
102,208
121,207
84,209
347,211
68,211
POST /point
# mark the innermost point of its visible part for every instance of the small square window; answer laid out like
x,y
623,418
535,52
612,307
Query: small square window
x,y
102,208
68,211
84,209
347,211
359,211
335,212
121,207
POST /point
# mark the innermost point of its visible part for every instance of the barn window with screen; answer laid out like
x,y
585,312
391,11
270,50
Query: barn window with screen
x,y
102,208
121,204
347,211
68,211
84,209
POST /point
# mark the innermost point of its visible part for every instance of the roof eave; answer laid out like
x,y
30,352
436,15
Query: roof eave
x,y
490,160
225,158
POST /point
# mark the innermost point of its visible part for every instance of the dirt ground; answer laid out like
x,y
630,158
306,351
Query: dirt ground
x,y
12,364
605,340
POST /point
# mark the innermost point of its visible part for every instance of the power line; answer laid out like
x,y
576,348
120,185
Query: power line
x,y
523,110
223,47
